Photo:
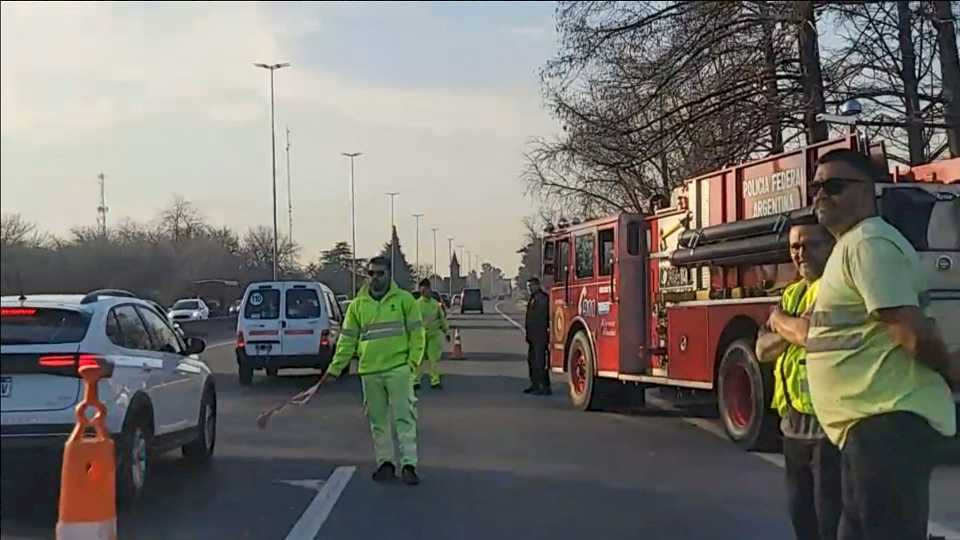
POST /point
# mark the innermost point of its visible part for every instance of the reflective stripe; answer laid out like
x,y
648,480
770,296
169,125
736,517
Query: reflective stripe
x,y
381,333
837,317
834,343
414,325
383,325
350,332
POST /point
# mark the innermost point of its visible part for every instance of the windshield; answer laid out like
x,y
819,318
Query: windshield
x,y
31,326
186,304
471,295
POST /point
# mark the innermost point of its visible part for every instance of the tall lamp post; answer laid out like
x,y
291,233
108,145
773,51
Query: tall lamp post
x,y
450,266
353,225
273,157
436,271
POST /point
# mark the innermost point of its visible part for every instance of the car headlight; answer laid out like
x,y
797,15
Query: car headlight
x,y
196,314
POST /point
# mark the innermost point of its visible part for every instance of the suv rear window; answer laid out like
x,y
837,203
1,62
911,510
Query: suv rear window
x,y
262,304
302,304
186,304
471,295
29,326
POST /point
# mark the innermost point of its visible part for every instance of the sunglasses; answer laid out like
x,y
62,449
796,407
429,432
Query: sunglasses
x,y
376,273
833,186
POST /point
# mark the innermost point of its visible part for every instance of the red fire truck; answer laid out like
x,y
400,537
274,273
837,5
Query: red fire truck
x,y
676,298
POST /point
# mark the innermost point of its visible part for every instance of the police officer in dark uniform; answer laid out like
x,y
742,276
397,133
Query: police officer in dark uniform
x,y
537,326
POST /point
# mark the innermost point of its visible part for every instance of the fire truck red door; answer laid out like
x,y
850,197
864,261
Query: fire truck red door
x,y
631,291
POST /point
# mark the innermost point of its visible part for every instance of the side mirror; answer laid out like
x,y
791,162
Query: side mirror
x,y
195,345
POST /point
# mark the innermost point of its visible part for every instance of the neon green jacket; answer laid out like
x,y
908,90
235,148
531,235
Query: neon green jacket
x,y
790,371
386,334
434,318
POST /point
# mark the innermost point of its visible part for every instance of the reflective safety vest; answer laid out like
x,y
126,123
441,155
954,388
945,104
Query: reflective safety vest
x,y
385,333
434,318
790,371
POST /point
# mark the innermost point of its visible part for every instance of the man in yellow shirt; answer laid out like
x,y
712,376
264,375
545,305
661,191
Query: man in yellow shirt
x,y
878,368
435,326
812,462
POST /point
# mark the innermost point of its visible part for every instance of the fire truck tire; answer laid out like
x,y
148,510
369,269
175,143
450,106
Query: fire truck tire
x,y
744,391
582,372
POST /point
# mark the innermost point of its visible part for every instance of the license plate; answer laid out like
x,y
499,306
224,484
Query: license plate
x,y
264,348
6,386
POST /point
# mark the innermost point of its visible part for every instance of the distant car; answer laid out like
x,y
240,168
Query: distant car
x,y
342,298
445,298
160,394
189,309
286,324
234,308
344,304
471,300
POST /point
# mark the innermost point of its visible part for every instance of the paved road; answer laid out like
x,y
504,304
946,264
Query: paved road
x,y
495,464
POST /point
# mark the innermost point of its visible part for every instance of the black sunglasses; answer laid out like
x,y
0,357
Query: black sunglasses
x,y
833,186
376,273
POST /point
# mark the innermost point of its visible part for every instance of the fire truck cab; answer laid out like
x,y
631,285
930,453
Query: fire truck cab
x,y
677,298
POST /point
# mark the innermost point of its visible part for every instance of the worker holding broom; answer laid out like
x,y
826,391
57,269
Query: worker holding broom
x,y
384,327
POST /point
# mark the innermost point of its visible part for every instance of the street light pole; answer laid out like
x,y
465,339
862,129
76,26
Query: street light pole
x,y
393,226
353,225
289,193
417,217
273,157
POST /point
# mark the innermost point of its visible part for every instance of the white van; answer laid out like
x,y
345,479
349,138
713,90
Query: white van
x,y
286,324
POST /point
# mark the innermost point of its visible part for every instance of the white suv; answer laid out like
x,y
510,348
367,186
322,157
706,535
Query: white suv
x,y
189,309
286,324
160,395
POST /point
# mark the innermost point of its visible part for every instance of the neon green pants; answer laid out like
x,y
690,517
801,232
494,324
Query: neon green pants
x,y
432,352
391,405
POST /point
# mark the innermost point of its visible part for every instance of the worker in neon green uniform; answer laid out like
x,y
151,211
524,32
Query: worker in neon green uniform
x,y
384,327
435,324
812,462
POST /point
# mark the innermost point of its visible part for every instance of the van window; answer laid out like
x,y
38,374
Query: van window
x,y
563,262
262,304
585,248
303,304
133,334
606,252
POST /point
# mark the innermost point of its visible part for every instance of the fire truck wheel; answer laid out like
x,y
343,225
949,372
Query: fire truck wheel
x,y
744,390
581,370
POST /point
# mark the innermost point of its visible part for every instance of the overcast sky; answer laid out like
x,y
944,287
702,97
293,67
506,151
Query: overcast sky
x,y
162,97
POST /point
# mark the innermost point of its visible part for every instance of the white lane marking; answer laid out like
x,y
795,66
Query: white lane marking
x,y
223,344
310,483
316,514
934,528
496,307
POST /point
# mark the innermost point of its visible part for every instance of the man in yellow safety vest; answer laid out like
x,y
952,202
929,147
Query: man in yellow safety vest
x,y
435,325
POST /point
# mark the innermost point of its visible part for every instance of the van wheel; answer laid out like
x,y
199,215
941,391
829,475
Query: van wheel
x,y
271,372
246,374
582,372
744,393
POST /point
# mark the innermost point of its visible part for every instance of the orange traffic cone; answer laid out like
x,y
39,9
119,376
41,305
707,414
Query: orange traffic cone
x,y
457,353
88,508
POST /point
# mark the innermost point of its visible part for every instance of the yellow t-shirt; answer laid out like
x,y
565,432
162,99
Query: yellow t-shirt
x,y
854,366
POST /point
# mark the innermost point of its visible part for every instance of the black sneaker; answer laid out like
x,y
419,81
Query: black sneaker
x,y
385,473
438,386
530,390
416,386
409,475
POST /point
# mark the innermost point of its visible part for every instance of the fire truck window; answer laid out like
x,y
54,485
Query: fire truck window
x,y
633,238
606,252
563,262
586,252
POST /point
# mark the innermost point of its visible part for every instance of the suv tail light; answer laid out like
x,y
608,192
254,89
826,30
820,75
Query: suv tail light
x,y
70,364
325,338
241,341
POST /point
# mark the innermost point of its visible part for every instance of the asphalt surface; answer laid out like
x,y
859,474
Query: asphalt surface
x,y
495,463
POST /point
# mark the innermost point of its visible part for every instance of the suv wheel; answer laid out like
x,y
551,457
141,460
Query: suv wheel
x,y
201,449
133,457
272,372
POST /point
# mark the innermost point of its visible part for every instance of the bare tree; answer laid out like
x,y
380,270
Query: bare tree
x,y
17,231
943,16
180,220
